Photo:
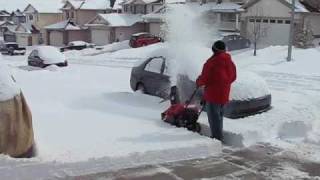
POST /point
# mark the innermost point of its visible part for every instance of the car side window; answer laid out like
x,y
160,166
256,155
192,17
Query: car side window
x,y
32,54
155,65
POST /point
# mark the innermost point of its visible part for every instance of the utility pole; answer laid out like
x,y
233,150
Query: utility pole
x,y
289,58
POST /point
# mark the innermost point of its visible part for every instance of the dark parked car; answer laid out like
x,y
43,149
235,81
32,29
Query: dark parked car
x,y
44,56
77,45
151,77
12,49
236,42
143,39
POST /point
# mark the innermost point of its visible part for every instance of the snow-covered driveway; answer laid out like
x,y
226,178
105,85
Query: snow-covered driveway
x,y
88,117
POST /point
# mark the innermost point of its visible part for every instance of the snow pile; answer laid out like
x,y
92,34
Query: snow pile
x,y
8,88
98,50
50,54
248,86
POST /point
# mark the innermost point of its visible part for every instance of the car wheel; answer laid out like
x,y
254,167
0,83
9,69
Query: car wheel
x,y
140,88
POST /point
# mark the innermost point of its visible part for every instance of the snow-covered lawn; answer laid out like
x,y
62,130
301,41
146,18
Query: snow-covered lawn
x,y
83,114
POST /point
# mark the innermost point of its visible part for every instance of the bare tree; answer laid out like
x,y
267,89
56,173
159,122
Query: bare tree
x,y
257,30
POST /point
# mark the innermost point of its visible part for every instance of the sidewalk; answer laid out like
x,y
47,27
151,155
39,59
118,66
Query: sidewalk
x,y
261,161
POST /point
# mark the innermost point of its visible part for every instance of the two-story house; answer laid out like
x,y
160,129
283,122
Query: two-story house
x,y
272,19
42,13
76,13
113,27
17,17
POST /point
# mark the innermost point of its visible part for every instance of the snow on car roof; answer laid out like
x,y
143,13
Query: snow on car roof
x,y
50,54
77,43
140,33
8,88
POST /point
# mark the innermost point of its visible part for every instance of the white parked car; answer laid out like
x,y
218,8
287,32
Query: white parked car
x,y
43,56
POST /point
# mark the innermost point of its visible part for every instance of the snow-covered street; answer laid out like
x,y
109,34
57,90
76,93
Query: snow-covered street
x,y
87,119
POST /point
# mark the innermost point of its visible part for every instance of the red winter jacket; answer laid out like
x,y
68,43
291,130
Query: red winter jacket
x,y
217,75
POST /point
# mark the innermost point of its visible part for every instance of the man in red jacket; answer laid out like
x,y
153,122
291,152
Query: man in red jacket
x,y
218,73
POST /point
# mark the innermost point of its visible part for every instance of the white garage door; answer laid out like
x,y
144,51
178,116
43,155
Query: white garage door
x,y
272,31
56,38
22,40
155,28
100,37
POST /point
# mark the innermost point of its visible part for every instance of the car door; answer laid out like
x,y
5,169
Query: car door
x,y
153,78
34,59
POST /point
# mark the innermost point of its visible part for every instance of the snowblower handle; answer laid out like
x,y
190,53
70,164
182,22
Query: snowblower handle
x,y
191,97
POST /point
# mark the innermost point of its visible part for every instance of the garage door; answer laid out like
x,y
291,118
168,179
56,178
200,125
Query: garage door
x,y
22,40
100,37
272,31
56,38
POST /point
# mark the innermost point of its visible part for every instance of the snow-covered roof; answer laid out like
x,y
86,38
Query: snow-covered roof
x,y
121,20
63,25
96,4
225,7
76,3
300,8
118,4
174,1
17,13
140,1
4,13
42,6
28,28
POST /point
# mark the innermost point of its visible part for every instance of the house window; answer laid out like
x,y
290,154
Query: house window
x,y
280,21
272,21
228,17
30,17
258,20
67,15
72,14
251,20
288,22
266,21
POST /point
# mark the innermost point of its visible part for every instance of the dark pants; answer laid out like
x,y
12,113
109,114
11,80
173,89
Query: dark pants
x,y
215,118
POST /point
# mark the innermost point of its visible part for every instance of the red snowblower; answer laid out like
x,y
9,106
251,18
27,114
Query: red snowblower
x,y
184,115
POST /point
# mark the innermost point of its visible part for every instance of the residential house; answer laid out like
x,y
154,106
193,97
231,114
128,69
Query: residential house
x,y
27,34
4,26
17,17
8,31
4,15
112,27
76,13
223,16
43,13
272,19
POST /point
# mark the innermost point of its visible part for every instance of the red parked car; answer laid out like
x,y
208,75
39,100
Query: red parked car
x,y
143,39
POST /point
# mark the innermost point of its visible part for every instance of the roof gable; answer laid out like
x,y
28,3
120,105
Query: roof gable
x,y
299,7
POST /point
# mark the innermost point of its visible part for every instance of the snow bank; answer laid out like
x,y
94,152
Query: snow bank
x,y
98,50
8,88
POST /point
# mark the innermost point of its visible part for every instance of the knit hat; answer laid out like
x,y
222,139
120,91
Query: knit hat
x,y
219,46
